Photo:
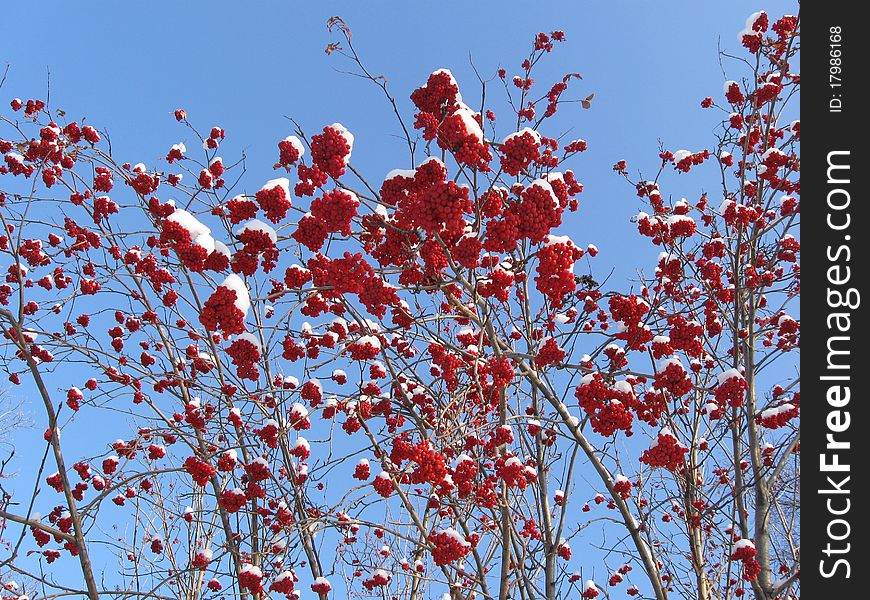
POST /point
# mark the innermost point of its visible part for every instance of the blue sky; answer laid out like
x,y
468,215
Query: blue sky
x,y
246,66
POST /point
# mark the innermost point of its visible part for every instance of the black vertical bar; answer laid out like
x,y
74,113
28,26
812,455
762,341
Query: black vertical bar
x,y
835,443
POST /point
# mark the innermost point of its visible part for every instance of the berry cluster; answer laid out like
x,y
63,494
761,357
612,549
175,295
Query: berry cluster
x,y
745,551
232,500
251,579
665,452
336,209
673,377
549,354
778,416
290,150
519,150
274,199
731,389
227,307
330,150
555,271
199,470
448,546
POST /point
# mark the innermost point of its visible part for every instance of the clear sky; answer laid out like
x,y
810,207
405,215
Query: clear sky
x,y
248,65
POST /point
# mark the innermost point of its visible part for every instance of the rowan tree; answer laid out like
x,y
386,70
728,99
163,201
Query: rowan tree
x,y
328,385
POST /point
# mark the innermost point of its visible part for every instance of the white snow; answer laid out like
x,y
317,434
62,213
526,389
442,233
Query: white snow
x,y
406,173
552,240
680,155
623,386
471,124
747,30
190,223
296,143
281,182
284,575
785,319
243,299
728,374
298,410
521,132
371,340
546,185
348,137
726,204
221,248
259,226
434,159
456,536
776,410
554,176
250,338
665,363
770,152
679,219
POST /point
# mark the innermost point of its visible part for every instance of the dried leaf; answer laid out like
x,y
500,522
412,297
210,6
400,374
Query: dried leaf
x,y
338,22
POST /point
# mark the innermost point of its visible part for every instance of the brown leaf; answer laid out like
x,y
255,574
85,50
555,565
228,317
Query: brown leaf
x,y
338,22
571,76
332,47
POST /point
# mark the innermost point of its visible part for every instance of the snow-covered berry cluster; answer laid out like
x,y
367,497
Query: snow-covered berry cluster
x,y
448,546
665,452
